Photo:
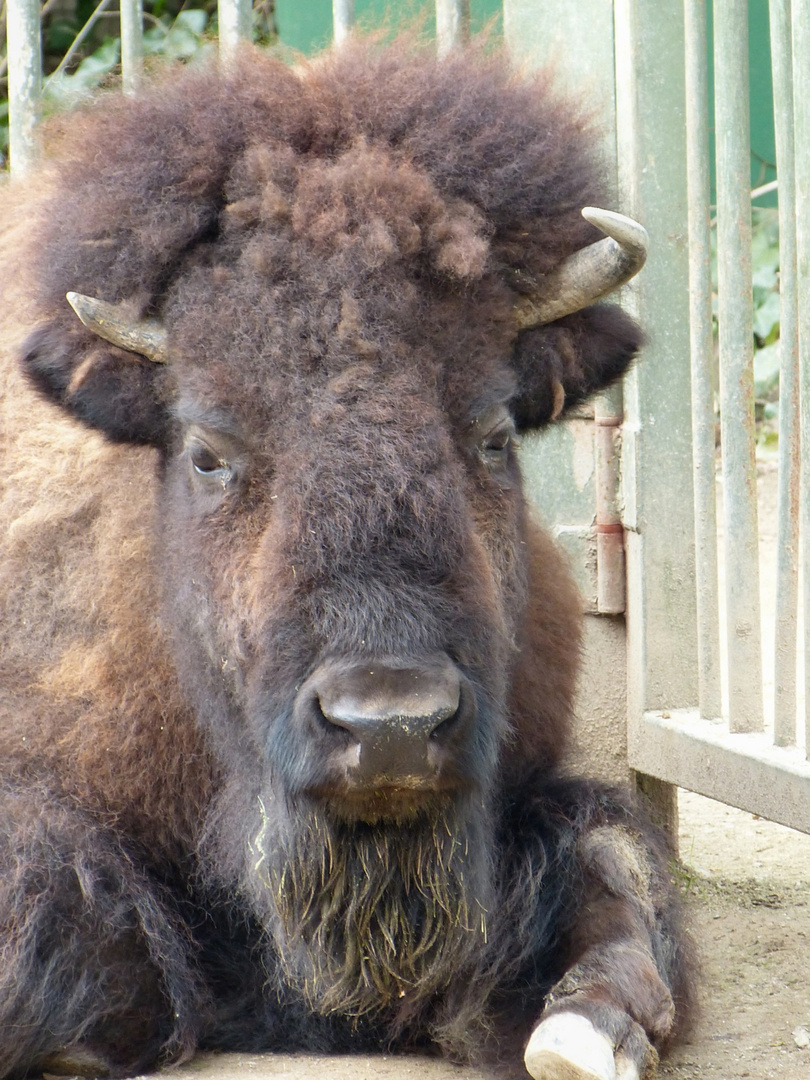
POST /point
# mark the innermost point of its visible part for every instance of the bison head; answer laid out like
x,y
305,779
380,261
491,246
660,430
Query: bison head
x,y
332,300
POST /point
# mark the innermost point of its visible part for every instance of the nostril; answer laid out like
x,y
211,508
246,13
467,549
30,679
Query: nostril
x,y
326,722
444,725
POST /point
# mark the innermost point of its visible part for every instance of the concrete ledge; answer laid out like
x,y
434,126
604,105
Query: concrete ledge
x,y
314,1067
744,770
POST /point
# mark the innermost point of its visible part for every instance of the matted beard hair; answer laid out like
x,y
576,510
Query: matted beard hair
x,y
373,918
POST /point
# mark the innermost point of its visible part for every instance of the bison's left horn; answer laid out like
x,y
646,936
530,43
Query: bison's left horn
x,y
144,336
589,274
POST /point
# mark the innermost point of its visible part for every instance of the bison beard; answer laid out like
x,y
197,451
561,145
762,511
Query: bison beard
x,y
372,918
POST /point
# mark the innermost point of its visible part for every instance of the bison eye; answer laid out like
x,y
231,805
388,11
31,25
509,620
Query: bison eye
x,y
210,465
494,448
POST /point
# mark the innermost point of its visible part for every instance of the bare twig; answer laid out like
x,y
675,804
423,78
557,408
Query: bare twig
x,y
765,189
82,34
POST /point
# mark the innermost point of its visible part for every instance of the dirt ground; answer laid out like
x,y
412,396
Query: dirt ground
x,y
747,887
747,884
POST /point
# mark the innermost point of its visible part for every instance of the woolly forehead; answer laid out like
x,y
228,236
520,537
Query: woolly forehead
x,y
333,279
410,404
370,204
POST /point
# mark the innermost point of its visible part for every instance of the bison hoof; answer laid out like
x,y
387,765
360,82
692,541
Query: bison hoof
x,y
568,1047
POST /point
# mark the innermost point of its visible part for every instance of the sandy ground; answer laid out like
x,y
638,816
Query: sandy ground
x,y
747,884
747,888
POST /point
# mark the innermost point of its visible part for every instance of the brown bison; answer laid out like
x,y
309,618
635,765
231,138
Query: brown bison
x,y
287,666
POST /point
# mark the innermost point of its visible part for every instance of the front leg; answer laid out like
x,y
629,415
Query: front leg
x,y
625,989
96,973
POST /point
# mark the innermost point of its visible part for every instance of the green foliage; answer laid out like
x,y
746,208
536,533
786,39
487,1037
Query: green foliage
x,y
64,88
184,39
181,38
765,250
3,132
766,320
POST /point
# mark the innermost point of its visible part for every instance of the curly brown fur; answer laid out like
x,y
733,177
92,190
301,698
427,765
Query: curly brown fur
x,y
324,471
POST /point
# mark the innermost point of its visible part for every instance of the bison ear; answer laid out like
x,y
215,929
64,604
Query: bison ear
x,y
561,364
114,390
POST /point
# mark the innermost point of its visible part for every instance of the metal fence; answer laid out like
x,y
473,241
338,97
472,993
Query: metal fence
x,y
686,682
744,739
234,18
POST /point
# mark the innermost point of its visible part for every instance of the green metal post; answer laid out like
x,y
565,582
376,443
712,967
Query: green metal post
x,y
131,44
235,24
24,80
736,339
702,350
452,24
787,579
659,518
801,97
342,19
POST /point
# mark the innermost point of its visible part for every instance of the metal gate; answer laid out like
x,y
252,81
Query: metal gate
x,y
723,738
673,684
697,714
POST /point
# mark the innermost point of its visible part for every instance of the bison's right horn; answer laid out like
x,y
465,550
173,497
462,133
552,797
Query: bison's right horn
x,y
589,274
144,336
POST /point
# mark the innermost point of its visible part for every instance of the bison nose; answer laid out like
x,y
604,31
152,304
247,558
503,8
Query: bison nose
x,y
400,718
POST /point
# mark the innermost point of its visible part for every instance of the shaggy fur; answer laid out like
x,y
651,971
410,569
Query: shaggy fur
x,y
326,470
366,923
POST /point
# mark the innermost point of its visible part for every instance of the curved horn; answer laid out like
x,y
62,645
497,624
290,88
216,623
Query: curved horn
x,y
589,274
144,336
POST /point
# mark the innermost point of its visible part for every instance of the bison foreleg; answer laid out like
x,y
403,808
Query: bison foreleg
x,y
94,975
615,1004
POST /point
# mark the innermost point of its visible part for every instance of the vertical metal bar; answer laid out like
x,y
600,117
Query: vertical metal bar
x,y
801,92
702,352
24,80
657,439
131,44
452,25
787,570
235,18
611,580
575,39
342,19
735,319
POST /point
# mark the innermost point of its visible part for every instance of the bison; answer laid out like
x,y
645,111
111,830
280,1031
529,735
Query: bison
x,y
287,664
